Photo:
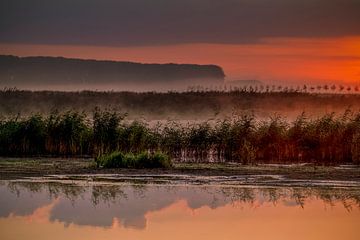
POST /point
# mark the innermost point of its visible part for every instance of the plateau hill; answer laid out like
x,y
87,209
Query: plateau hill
x,y
73,74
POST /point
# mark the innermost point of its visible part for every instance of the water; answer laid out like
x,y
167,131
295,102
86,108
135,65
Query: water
x,y
90,210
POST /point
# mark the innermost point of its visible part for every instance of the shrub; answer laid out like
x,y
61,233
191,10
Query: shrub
x,y
142,160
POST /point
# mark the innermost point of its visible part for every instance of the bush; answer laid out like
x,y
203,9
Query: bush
x,y
129,160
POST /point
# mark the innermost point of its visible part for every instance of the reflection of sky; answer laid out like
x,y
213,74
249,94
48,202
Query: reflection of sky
x,y
20,203
99,205
129,207
132,207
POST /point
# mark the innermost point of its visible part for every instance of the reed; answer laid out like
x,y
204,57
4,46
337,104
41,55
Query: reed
x,y
183,105
329,139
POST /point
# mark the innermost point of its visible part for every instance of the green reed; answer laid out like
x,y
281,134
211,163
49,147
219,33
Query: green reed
x,y
330,139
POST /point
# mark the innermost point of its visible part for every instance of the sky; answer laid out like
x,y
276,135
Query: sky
x,y
269,40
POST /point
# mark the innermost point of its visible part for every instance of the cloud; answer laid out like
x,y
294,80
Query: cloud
x,y
158,22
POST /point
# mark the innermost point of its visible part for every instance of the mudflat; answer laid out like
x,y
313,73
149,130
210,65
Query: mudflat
x,y
79,168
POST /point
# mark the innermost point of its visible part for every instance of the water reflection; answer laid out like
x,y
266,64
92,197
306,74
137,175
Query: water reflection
x,y
130,205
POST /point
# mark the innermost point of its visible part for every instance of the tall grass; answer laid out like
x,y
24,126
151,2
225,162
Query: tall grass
x,y
105,131
67,134
329,139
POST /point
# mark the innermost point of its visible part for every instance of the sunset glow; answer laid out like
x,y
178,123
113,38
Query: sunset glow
x,y
288,60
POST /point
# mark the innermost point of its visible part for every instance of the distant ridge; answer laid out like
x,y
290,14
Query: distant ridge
x,y
57,71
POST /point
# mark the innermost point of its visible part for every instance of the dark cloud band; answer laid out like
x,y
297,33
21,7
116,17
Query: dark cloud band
x,y
157,22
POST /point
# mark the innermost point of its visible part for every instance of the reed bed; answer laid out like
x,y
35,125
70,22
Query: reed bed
x,y
329,139
194,104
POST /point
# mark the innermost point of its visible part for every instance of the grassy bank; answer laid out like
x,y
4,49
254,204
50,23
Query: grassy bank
x,y
325,140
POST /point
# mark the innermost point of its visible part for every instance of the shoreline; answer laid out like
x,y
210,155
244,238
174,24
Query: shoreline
x,y
21,168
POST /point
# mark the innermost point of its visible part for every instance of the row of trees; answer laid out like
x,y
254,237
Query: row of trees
x,y
256,88
260,88
329,139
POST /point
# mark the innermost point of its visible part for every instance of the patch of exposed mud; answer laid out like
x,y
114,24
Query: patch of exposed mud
x,y
183,179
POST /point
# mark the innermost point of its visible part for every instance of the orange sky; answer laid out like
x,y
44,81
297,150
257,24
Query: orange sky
x,y
292,60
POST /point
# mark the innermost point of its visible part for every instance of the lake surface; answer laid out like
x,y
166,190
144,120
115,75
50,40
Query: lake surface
x,y
88,210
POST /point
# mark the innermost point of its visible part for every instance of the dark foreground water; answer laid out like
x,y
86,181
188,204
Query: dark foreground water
x,y
87,210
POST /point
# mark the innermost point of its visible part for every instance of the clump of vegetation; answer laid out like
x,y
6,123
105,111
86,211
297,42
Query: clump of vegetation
x,y
329,139
129,160
67,134
105,131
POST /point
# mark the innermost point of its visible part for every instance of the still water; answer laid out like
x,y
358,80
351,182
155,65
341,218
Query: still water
x,y
83,210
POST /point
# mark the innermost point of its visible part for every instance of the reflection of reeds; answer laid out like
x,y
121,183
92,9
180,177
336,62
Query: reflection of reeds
x,y
112,194
328,139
